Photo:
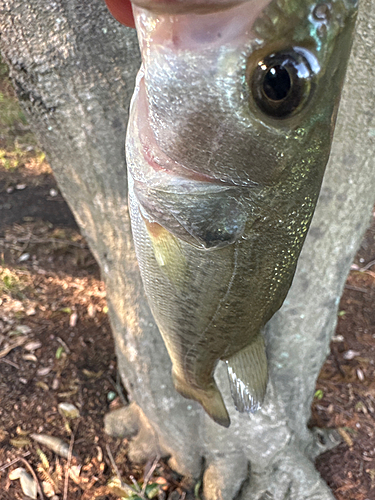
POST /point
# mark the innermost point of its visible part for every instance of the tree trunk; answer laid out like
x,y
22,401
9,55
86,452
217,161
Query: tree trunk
x,y
73,67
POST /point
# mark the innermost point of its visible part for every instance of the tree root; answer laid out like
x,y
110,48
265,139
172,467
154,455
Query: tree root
x,y
290,475
224,477
323,440
130,422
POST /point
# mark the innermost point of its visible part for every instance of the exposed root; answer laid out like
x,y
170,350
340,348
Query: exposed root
x,y
224,478
291,477
323,440
131,422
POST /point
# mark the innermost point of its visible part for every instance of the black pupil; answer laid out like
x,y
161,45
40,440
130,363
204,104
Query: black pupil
x,y
276,83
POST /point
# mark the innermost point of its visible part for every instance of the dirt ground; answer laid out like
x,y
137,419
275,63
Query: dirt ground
x,y
56,347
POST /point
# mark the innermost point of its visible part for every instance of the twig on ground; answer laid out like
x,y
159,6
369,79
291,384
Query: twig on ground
x,y
149,474
356,288
26,244
16,343
60,340
119,391
11,363
368,265
115,468
137,488
66,478
113,463
3,467
337,362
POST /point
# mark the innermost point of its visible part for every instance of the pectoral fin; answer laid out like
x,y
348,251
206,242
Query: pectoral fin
x,y
167,251
248,376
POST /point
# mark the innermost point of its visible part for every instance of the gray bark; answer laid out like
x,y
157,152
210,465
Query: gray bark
x,y
73,67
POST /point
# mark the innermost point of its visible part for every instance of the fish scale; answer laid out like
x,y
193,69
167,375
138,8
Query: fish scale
x,y
223,178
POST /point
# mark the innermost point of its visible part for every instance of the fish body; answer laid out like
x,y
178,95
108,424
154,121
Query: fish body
x,y
229,134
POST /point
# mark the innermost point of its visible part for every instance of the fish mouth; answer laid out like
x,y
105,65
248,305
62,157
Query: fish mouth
x,y
186,6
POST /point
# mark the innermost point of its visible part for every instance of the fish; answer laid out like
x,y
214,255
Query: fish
x,y
229,134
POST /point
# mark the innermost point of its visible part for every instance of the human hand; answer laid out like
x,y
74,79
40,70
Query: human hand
x,y
122,11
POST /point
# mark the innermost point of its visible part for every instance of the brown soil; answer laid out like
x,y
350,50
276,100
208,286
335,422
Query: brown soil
x,y
56,346
345,398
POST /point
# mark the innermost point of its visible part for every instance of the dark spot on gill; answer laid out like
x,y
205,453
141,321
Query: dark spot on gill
x,y
218,238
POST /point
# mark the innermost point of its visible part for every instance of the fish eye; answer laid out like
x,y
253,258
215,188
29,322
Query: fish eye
x,y
281,83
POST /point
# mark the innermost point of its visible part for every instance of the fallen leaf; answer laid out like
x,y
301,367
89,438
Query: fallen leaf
x,y
30,357
33,346
55,444
348,440
350,354
23,329
16,343
28,484
20,442
90,374
68,410
73,320
42,385
91,310
48,489
44,371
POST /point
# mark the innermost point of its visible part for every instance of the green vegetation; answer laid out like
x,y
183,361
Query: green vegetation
x,y
10,283
13,157
10,111
136,492
319,394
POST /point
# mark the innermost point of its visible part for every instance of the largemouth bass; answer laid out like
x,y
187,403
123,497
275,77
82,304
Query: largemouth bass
x,y
229,134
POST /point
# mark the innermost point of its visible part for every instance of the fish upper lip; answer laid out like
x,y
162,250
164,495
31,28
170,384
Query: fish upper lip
x,y
186,6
